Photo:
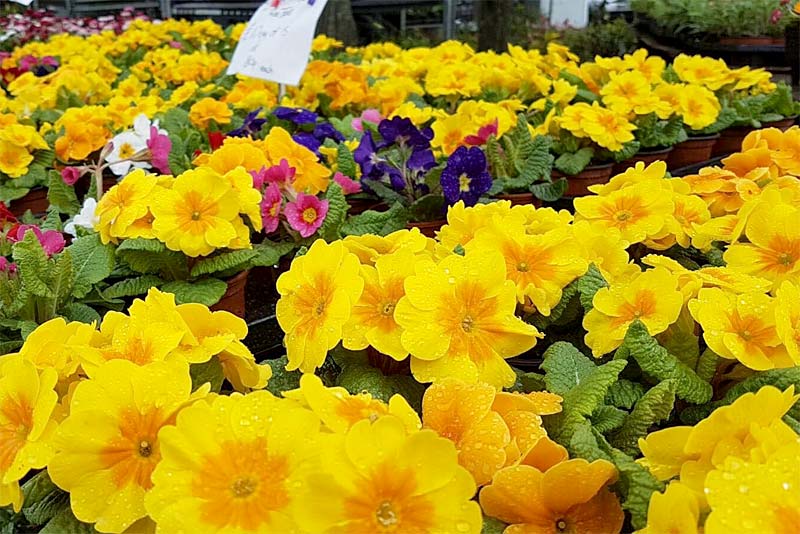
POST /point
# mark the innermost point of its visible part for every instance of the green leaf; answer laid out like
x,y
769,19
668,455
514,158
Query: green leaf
x,y
575,162
269,253
494,155
43,499
628,151
344,161
9,193
64,522
62,279
92,261
654,406
174,121
565,367
624,393
60,195
657,362
607,418
44,158
78,311
148,256
550,192
707,365
281,379
52,220
337,212
226,261
177,159
207,372
207,291
589,284
377,222
131,287
358,375
492,525
34,267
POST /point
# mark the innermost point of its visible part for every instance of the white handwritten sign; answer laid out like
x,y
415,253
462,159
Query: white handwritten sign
x,y
277,41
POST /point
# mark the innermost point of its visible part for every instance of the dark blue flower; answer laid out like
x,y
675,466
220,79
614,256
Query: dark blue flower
x,y
295,115
365,154
308,140
389,175
466,176
251,125
421,161
325,130
401,131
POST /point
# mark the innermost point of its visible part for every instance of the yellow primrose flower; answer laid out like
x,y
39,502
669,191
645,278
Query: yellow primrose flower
x,y
464,222
638,211
773,251
339,410
27,400
449,132
58,345
630,92
698,106
751,497
372,320
787,318
652,298
458,320
379,478
243,476
540,265
705,71
676,511
14,159
206,110
370,247
317,296
310,175
605,248
196,216
608,128
23,136
233,153
321,43
249,197
419,116
741,327
109,444
123,204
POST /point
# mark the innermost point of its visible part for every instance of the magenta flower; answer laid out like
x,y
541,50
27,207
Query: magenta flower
x,y
348,185
279,174
7,266
70,175
306,214
370,115
160,146
52,241
271,208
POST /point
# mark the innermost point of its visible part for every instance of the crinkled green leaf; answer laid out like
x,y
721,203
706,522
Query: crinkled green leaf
x,y
210,372
654,406
33,265
344,161
607,418
565,367
61,279
131,287
377,222
60,195
550,191
269,253
92,261
207,291
149,256
624,393
707,365
657,362
492,525
42,499
281,379
64,522
628,150
226,261
337,211
78,311
573,163
496,161
589,284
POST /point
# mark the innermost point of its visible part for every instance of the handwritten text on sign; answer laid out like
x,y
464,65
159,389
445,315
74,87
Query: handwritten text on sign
x,y
277,41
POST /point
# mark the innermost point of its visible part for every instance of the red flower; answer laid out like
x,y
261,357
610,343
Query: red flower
x,y
215,139
6,215
484,132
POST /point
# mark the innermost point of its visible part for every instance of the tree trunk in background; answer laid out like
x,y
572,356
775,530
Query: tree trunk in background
x,y
337,21
494,18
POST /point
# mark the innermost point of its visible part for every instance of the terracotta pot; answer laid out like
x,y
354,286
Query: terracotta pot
x,y
693,150
752,41
730,140
646,156
35,200
233,300
783,124
428,228
577,186
387,364
517,199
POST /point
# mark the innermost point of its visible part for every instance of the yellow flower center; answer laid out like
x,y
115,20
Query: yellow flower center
x,y
388,309
785,259
463,182
523,267
243,487
126,151
320,308
145,449
195,215
746,335
561,525
386,515
309,215
467,323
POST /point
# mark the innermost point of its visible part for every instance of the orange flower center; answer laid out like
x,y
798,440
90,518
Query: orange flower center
x,y
133,454
750,328
644,305
467,323
13,434
388,309
386,515
242,485
126,151
358,407
309,215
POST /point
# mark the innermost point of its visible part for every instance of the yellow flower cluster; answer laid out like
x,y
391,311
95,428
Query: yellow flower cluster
x,y
737,469
196,213
18,143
